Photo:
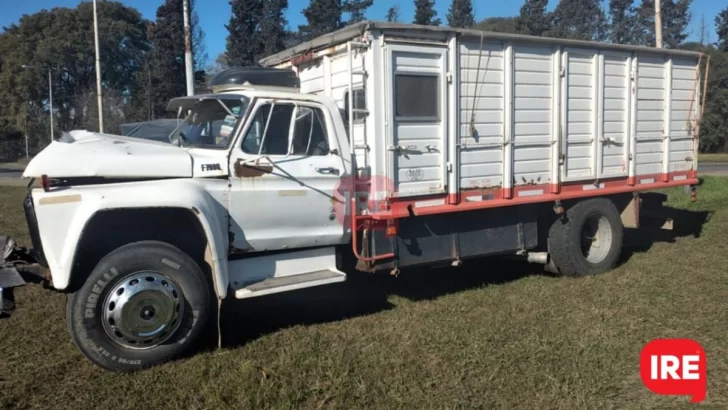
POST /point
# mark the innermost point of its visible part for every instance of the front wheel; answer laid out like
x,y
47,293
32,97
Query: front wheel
x,y
144,304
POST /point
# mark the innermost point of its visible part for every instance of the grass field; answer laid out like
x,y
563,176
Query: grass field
x,y
490,334
719,157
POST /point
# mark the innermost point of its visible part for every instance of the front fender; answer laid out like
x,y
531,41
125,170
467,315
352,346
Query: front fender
x,y
63,214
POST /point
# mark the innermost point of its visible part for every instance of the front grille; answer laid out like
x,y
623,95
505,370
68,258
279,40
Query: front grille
x,y
33,229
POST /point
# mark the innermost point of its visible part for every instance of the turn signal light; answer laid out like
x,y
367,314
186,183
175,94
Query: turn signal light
x,y
391,229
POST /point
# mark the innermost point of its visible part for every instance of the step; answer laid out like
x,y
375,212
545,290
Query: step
x,y
288,283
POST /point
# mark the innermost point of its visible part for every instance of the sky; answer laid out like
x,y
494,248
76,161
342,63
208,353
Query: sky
x,y
214,14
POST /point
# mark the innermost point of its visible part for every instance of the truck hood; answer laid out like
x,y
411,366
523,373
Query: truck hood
x,y
90,154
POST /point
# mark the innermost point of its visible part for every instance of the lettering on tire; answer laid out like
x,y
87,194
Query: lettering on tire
x,y
93,298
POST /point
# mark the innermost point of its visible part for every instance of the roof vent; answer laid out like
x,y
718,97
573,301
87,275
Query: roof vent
x,y
255,78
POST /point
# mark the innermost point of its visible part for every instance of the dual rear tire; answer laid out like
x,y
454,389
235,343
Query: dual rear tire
x,y
587,239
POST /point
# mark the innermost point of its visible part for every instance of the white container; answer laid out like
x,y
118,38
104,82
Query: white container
x,y
454,113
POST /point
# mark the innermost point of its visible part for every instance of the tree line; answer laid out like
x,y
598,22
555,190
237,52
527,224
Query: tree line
x,y
143,61
142,68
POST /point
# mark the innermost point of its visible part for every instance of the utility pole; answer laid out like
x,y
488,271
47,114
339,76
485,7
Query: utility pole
x,y
50,93
98,71
188,49
658,24
50,101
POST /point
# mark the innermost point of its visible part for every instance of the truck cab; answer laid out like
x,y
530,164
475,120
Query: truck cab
x,y
242,198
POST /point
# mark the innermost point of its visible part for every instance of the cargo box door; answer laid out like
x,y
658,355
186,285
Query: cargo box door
x,y
614,114
580,86
417,119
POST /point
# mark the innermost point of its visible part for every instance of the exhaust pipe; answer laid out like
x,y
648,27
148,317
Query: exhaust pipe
x,y
541,258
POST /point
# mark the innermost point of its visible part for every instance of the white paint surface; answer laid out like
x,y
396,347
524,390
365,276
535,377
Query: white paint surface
x,y
91,154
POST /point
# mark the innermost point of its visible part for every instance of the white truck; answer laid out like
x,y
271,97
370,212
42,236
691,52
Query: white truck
x,y
390,146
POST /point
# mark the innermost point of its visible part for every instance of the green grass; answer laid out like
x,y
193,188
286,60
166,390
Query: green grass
x,y
490,334
719,157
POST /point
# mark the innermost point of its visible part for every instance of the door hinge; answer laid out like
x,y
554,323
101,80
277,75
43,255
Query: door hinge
x,y
562,72
449,77
449,167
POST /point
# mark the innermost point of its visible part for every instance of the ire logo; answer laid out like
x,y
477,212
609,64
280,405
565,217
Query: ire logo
x,y
674,366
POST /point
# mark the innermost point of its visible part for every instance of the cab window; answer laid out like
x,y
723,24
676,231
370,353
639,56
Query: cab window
x,y
287,129
211,123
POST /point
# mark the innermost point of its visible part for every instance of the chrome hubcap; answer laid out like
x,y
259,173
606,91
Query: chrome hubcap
x,y
143,310
596,238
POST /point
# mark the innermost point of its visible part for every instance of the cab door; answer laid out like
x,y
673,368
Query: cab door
x,y
284,170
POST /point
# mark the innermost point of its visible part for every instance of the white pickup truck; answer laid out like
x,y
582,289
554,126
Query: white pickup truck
x,y
453,144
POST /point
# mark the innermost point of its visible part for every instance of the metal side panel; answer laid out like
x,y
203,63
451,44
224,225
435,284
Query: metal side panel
x,y
448,237
481,115
615,111
683,110
532,102
650,119
581,104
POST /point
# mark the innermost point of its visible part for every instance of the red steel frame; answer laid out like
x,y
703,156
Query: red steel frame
x,y
397,208
400,208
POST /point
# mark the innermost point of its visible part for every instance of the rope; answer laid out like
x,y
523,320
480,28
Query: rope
x,y
705,92
475,94
696,84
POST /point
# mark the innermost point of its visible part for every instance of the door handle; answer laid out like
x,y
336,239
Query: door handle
x,y
328,170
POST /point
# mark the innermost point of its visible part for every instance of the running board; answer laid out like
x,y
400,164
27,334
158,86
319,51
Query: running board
x,y
288,283
284,271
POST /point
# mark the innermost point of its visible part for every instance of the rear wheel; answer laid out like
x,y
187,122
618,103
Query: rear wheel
x,y
145,303
588,240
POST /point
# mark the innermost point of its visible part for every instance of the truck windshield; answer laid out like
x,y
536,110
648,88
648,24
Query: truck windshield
x,y
210,123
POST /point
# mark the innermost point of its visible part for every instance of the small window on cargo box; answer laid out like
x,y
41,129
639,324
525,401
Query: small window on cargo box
x,y
360,102
416,96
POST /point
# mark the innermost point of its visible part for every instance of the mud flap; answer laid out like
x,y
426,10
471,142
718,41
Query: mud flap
x,y
654,213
